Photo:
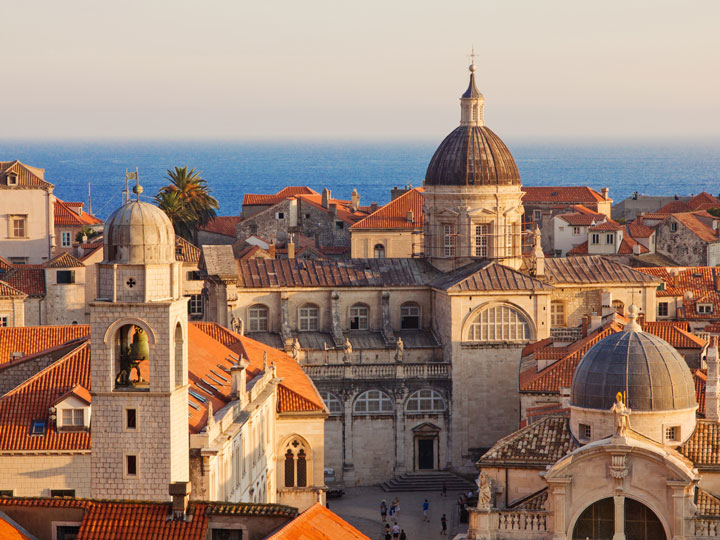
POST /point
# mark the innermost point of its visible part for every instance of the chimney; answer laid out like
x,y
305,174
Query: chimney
x,y
271,250
373,206
605,192
333,210
326,196
291,249
354,200
712,402
595,321
410,216
606,301
636,249
180,493
584,326
238,375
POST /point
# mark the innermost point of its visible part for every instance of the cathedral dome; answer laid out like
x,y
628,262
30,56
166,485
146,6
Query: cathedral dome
x,y
652,374
139,233
472,155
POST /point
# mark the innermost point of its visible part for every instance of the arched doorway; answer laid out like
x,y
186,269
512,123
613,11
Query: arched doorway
x,y
597,522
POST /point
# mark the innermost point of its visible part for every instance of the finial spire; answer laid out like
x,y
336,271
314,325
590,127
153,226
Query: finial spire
x,y
472,108
632,325
137,189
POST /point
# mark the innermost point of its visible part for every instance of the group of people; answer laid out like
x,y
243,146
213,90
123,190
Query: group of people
x,y
395,532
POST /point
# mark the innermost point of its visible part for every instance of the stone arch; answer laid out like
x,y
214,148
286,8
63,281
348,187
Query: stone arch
x,y
475,313
295,462
180,365
368,397
110,332
417,401
646,503
359,316
379,251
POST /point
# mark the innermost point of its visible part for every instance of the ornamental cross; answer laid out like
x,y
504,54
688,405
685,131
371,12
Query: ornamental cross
x,y
472,55
131,283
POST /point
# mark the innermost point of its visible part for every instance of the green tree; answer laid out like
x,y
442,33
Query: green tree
x,y
187,201
85,231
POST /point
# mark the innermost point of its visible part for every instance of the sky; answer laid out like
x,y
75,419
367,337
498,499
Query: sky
x,y
336,69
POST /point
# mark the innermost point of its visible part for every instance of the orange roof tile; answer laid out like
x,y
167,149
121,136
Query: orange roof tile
x,y
251,199
638,230
701,282
27,176
185,251
78,391
580,249
342,208
607,226
8,531
7,290
627,246
32,339
674,207
394,215
318,523
65,215
32,400
64,260
578,219
703,201
676,334
224,225
702,230
29,279
700,379
703,447
564,194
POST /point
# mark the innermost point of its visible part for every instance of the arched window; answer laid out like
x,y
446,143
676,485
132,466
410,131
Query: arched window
x,y
379,251
373,402
499,323
309,318
180,369
425,400
132,357
296,458
557,313
258,318
333,403
618,306
409,316
359,315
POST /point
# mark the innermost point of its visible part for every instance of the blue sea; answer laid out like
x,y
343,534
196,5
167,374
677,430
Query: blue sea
x,y
235,168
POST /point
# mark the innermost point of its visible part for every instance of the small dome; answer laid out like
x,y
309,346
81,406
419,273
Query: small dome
x,y
654,375
472,156
139,233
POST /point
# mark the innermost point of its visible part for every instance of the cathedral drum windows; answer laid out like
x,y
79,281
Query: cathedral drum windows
x,y
258,318
373,402
308,318
499,323
426,400
359,317
482,240
449,240
410,316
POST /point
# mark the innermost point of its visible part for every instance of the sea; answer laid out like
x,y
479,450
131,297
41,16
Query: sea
x,y
233,168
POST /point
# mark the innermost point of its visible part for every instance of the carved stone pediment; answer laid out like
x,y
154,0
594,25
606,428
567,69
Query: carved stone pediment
x,y
426,428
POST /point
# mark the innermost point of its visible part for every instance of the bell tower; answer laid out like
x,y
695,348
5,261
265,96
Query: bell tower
x,y
139,359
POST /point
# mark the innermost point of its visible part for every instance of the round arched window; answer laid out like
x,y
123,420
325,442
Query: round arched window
x,y
425,400
333,403
499,323
373,402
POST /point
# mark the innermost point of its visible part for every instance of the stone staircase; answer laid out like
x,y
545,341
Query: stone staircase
x,y
429,481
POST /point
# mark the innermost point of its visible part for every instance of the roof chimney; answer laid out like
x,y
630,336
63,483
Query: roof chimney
x,y
605,192
291,248
333,209
355,200
410,216
373,206
238,375
271,250
180,492
325,198
712,403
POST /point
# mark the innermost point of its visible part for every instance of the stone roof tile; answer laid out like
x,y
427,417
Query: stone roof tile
x,y
592,269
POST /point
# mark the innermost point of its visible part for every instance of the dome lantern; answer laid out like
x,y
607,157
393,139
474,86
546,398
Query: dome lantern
x,y
472,102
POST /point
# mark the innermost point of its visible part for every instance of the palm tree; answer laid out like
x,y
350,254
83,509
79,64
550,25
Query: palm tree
x,y
191,192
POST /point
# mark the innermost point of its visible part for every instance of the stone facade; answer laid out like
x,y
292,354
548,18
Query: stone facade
x,y
683,245
30,475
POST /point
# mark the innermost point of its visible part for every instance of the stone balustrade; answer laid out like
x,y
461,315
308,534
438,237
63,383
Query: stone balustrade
x,y
379,371
706,527
531,521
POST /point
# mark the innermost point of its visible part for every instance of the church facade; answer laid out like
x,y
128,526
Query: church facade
x,y
417,358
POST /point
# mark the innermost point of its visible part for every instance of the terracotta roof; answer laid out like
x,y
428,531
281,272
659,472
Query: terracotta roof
x,y
606,226
344,212
564,194
674,207
185,251
9,531
592,269
31,401
676,334
707,503
713,328
703,447
488,276
695,284
29,279
251,199
627,246
33,339
536,501
702,230
260,273
5,265
27,176
580,249
539,444
703,201
7,290
224,225
394,215
66,216
64,260
78,391
578,219
318,523
638,230
213,344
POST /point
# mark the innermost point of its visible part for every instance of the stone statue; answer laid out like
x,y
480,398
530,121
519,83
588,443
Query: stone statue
x,y
237,325
484,485
295,350
622,415
399,349
347,350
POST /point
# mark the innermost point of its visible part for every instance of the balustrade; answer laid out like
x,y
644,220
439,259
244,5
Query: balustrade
x,y
378,371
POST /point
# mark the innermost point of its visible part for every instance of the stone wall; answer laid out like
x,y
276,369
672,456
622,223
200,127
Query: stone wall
x,y
397,243
14,309
323,225
65,302
681,245
266,224
34,475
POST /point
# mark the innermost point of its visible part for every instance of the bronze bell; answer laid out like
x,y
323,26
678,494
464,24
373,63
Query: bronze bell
x,y
140,349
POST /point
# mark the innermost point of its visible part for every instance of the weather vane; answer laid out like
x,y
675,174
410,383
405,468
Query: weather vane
x,y
472,55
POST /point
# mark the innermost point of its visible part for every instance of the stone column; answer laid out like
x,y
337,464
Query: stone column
x,y
387,330
348,467
464,238
336,319
619,517
285,331
558,488
399,432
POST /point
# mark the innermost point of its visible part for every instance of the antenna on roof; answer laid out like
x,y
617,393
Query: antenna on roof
x,y
130,176
89,200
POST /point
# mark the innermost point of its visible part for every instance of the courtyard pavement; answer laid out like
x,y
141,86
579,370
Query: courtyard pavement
x,y
361,507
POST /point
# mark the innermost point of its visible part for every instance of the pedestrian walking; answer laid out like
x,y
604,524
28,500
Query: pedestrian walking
x,y
443,522
396,504
403,536
396,531
444,489
383,510
392,509
388,535
426,507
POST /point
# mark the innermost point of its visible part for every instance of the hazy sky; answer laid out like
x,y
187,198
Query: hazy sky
x,y
325,69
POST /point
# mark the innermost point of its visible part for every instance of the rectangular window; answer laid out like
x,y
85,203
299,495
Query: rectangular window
x,y
280,215
19,226
509,240
585,431
227,534
576,231
557,313
65,277
195,305
37,427
6,492
12,180
704,308
481,240
449,240
3,320
66,239
130,418
537,216
595,238
662,309
67,532
131,465
62,492
193,275
73,417
610,238
339,225
671,433
673,227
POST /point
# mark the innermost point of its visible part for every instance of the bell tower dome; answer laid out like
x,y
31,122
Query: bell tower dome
x,y
138,328
473,198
